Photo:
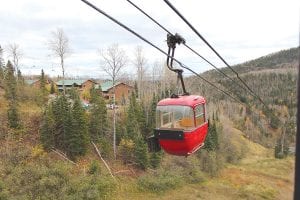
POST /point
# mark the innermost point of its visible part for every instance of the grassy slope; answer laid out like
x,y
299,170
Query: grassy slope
x,y
258,176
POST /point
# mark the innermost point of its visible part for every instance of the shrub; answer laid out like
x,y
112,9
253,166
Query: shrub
x,y
159,182
257,191
155,159
210,162
3,192
91,188
94,168
126,150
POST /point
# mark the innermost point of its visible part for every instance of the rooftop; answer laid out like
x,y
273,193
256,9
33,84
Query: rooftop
x,y
108,85
72,82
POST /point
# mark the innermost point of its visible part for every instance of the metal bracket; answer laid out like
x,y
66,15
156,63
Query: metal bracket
x,y
172,40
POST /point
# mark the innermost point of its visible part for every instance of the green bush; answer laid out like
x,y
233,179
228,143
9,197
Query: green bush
x,y
257,191
3,192
94,168
54,181
194,175
92,188
159,182
155,159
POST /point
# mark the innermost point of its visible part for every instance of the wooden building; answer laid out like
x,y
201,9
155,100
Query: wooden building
x,y
122,91
37,83
79,84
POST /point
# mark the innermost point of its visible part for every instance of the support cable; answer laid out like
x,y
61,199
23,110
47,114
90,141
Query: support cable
x,y
159,49
207,43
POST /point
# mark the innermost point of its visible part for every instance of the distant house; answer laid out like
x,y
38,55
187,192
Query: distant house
x,y
36,83
122,91
79,84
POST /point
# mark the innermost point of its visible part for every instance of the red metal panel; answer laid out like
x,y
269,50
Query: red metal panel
x,y
192,141
190,100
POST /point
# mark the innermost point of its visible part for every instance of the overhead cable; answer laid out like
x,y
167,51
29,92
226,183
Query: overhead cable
x,y
207,43
156,47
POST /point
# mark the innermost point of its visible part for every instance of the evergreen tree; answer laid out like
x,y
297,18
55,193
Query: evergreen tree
x,y
42,82
152,116
211,141
52,88
141,118
77,138
277,151
10,83
141,153
13,116
63,122
20,77
155,159
73,93
98,116
47,130
11,96
136,90
132,123
43,90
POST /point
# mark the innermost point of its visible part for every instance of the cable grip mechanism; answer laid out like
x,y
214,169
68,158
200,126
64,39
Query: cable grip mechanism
x,y
172,40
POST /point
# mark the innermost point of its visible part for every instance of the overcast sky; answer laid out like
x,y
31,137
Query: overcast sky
x,y
238,30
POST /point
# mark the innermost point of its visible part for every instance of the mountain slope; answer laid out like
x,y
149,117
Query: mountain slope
x,y
273,78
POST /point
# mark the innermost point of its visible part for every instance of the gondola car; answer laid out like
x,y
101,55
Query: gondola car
x,y
181,124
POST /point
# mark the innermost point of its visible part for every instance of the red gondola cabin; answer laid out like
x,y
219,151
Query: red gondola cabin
x,y
181,124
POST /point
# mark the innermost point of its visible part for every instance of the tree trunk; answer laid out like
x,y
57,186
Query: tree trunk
x,y
63,71
114,119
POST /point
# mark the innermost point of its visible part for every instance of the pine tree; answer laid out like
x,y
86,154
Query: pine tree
x,y
77,138
155,159
20,77
62,121
52,88
132,123
141,118
98,117
11,96
47,130
277,151
141,153
211,141
13,116
43,90
152,116
136,90
73,93
42,82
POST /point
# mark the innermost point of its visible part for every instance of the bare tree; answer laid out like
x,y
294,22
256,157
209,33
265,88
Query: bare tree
x,y
15,53
60,47
140,62
113,60
157,76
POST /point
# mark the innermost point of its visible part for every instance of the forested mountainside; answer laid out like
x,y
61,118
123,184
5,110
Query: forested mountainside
x,y
283,59
273,78
46,150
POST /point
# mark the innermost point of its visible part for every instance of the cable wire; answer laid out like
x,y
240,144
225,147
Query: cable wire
x,y
187,46
159,49
207,43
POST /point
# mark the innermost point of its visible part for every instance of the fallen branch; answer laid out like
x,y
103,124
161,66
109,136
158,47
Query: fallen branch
x,y
121,171
98,152
63,156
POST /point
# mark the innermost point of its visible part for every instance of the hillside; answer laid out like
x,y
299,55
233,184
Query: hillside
x,y
283,59
239,164
273,78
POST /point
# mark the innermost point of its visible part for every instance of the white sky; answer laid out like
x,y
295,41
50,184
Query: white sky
x,y
238,30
